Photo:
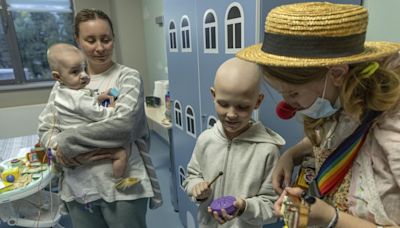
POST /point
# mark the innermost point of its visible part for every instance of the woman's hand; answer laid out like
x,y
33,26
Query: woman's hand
x,y
320,213
282,173
201,191
82,159
96,155
65,161
240,205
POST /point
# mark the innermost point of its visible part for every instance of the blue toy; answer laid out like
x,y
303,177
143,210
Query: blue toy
x,y
10,178
114,92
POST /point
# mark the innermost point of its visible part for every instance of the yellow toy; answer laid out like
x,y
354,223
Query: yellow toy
x,y
10,175
126,183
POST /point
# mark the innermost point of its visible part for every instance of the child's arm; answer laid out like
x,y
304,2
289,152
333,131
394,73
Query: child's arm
x,y
90,108
259,209
195,186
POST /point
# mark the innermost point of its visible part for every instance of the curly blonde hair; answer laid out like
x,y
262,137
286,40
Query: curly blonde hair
x,y
359,93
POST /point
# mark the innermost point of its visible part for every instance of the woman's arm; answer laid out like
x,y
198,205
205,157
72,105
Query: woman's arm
x,y
282,173
321,214
128,121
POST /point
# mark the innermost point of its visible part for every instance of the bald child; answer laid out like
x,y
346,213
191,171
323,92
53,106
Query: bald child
x,y
243,149
75,105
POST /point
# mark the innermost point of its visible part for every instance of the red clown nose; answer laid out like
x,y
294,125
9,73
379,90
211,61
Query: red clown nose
x,y
284,110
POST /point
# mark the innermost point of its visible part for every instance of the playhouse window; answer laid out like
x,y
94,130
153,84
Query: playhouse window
x,y
190,123
234,32
210,32
178,114
172,37
182,176
185,34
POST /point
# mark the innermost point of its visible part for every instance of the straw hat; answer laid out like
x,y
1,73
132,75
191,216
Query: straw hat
x,y
316,34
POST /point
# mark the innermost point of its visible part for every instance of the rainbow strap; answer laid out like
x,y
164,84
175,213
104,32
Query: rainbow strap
x,y
338,163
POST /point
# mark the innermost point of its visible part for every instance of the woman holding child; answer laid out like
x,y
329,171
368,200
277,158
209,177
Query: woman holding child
x,y
93,201
348,91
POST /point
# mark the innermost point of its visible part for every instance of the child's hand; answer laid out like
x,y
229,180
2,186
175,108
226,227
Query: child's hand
x,y
201,191
104,96
112,102
240,205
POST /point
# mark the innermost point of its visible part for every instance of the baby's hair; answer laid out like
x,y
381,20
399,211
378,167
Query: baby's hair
x,y
55,53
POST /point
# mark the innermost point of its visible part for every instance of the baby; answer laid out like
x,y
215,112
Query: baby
x,y
75,105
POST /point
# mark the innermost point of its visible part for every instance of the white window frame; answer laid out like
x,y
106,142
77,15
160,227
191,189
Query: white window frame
x,y
189,119
172,32
178,115
210,26
233,22
186,38
182,176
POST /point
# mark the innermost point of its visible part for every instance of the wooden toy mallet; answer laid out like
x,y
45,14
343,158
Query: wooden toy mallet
x,y
215,178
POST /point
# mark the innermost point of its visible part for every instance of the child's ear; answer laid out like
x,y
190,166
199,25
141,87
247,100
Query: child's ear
x,y
260,98
77,40
56,76
212,90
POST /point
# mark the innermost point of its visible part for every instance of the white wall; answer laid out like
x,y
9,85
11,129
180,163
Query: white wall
x,y
129,31
384,18
155,42
19,121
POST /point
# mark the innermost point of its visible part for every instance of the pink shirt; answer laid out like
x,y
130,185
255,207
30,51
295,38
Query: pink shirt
x,y
373,185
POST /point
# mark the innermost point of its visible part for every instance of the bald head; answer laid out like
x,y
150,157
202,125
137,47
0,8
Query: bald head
x,y
56,54
238,74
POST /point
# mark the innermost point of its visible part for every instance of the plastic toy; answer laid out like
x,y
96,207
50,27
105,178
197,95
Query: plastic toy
x,y
10,175
16,162
23,203
126,183
225,202
114,92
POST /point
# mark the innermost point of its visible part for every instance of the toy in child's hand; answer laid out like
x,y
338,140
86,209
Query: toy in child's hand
x,y
225,202
215,178
114,92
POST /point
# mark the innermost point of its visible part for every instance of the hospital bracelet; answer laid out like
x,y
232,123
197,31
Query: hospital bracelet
x,y
334,220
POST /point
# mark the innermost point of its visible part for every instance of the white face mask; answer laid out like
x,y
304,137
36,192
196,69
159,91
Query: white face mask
x,y
321,107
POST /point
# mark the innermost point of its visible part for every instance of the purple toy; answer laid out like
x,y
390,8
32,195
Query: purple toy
x,y
225,202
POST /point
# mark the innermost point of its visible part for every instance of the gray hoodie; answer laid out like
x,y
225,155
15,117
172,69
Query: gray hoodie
x,y
247,162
